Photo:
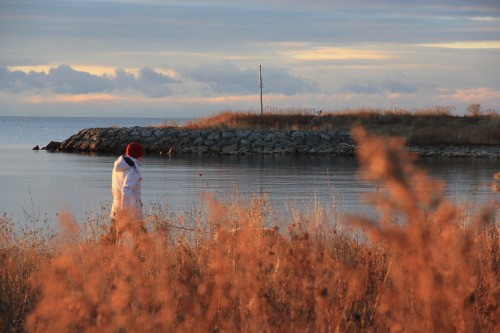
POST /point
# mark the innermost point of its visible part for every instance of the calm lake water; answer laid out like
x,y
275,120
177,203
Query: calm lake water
x,y
45,182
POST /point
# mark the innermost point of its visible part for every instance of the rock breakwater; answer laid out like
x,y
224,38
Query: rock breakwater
x,y
457,151
163,140
240,142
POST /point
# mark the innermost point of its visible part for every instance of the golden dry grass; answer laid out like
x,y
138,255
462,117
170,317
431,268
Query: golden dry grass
x,y
426,266
419,127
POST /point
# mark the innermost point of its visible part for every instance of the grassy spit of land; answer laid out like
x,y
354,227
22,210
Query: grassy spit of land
x,y
436,126
425,266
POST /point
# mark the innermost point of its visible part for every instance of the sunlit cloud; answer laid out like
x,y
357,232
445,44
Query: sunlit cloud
x,y
485,18
394,96
108,71
460,18
220,100
232,99
473,95
93,70
103,70
26,69
336,53
495,44
40,99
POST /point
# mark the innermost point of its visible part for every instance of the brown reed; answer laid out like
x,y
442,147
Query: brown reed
x,y
435,272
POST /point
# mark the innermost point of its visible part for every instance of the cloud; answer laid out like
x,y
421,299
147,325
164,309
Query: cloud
x,y
468,45
473,95
363,87
336,53
221,78
398,85
225,77
149,76
154,84
279,80
131,33
74,98
489,4
66,80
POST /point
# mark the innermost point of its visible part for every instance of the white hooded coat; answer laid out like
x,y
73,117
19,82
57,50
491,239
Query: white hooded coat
x,y
126,188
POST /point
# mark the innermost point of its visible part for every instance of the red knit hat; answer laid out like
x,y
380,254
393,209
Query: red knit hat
x,y
135,150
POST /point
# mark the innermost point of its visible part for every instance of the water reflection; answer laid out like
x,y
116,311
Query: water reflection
x,y
280,177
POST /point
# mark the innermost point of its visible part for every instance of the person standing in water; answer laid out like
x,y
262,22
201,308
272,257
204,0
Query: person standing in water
x,y
126,189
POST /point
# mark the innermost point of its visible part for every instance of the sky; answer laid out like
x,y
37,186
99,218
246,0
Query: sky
x,y
171,59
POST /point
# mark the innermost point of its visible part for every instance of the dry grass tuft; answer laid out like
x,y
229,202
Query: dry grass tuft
x,y
436,276
21,253
272,119
425,267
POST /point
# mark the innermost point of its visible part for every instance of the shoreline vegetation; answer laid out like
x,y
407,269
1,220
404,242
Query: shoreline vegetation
x,y
421,127
425,265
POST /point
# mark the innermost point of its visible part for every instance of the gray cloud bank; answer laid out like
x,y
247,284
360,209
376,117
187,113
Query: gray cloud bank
x,y
66,80
223,78
396,85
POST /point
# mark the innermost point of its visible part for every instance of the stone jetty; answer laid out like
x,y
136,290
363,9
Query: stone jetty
x,y
225,141
239,142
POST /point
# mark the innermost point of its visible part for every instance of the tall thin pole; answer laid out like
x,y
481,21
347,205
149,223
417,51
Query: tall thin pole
x,y
261,86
